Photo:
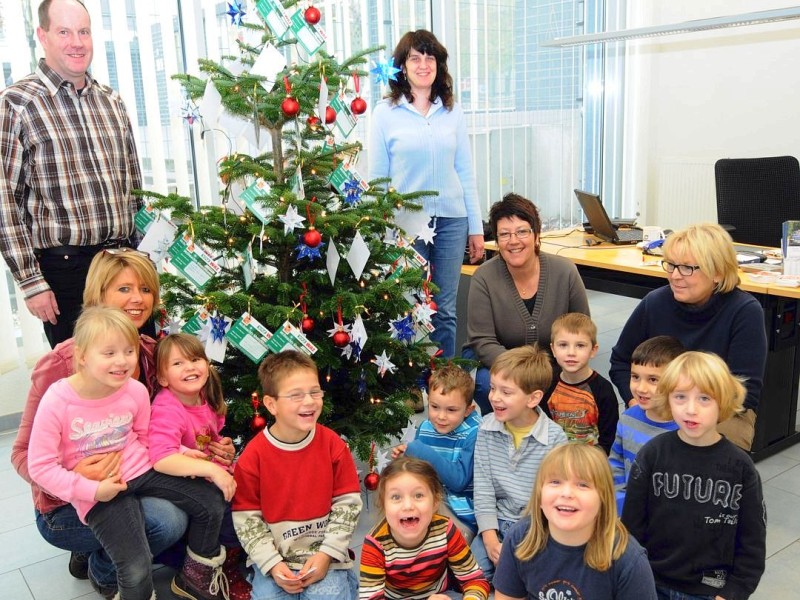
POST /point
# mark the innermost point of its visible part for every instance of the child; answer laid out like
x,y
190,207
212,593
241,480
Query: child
x,y
411,533
446,439
511,443
187,414
101,409
583,401
298,497
570,544
642,421
694,499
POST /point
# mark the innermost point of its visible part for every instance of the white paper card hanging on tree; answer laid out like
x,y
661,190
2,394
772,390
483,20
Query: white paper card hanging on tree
x,y
158,239
216,345
332,261
275,16
193,261
289,337
411,222
211,105
268,64
322,100
250,337
358,256
248,266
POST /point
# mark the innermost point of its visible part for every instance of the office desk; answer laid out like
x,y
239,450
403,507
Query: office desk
x,y
621,270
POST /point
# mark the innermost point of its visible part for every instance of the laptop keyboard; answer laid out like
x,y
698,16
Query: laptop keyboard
x,y
629,235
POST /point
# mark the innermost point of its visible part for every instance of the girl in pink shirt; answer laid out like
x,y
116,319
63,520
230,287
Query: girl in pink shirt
x,y
101,409
187,414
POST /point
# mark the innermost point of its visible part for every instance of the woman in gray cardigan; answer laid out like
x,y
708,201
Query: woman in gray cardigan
x,y
515,297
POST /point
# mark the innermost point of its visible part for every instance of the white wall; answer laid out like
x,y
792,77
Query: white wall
x,y
695,98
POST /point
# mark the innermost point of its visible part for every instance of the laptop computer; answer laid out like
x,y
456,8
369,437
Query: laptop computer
x,y
603,228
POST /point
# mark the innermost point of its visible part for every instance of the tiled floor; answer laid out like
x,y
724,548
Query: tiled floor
x,y
30,569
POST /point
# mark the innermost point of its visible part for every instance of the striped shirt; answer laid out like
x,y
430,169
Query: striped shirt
x,y
68,164
451,454
389,571
504,475
634,430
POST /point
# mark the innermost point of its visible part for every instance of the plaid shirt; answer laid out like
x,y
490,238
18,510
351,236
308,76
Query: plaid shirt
x,y
68,164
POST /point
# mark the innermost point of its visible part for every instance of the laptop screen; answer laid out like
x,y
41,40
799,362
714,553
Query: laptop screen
x,y
596,215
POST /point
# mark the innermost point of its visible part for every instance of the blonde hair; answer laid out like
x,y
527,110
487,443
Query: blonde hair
x,y
105,267
421,469
99,322
711,248
191,347
575,323
587,463
451,378
527,366
277,367
710,374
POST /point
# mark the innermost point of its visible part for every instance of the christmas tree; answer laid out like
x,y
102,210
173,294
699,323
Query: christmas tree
x,y
268,254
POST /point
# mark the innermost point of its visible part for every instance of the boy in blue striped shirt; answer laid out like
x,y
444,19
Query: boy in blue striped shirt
x,y
641,423
446,439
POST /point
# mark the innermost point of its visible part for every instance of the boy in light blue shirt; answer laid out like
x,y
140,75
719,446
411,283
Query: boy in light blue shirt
x,y
446,439
641,422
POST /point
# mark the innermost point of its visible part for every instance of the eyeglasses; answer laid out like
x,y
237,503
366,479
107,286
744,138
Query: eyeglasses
x,y
300,396
520,234
685,270
124,250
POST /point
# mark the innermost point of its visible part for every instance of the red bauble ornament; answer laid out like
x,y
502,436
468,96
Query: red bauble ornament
x,y
330,115
312,121
358,105
258,423
290,106
312,15
307,324
341,339
312,238
433,305
371,481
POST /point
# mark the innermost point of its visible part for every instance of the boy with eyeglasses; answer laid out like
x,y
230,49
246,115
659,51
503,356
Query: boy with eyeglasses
x,y
298,498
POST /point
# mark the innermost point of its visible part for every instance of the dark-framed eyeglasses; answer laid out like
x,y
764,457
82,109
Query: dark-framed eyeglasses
x,y
685,270
299,396
520,234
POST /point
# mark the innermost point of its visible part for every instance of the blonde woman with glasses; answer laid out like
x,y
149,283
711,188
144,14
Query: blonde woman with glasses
x,y
704,308
515,297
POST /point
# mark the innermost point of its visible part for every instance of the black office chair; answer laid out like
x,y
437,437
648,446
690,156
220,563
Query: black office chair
x,y
756,195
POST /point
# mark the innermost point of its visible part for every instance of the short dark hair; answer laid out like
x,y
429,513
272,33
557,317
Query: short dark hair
x,y
658,351
425,42
514,205
44,13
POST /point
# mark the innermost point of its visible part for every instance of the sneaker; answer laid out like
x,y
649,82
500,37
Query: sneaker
x,y
79,565
238,587
107,592
201,578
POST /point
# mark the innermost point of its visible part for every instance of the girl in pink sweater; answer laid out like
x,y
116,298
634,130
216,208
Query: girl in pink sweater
x,y
187,414
101,409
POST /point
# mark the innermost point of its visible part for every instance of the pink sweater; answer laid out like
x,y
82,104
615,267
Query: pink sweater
x,y
174,426
68,428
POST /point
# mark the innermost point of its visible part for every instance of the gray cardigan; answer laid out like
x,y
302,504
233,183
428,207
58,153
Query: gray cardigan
x,y
497,319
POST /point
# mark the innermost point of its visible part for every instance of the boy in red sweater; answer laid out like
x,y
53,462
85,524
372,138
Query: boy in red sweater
x,y
298,499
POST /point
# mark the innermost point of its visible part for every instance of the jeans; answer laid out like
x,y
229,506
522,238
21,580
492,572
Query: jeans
x,y
338,584
481,394
164,525
479,550
665,593
446,256
119,526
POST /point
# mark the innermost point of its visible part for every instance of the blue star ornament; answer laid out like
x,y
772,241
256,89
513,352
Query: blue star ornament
x,y
236,12
385,70
352,192
218,328
402,329
304,251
